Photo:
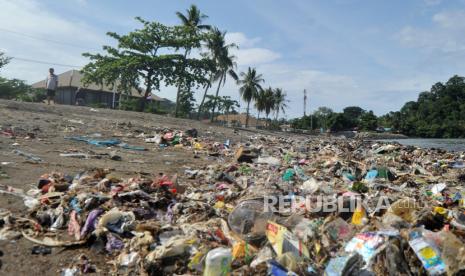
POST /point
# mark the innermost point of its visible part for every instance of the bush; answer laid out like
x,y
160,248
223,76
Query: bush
x,y
15,89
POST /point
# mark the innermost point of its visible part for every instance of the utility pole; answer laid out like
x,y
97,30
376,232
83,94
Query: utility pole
x,y
305,102
311,120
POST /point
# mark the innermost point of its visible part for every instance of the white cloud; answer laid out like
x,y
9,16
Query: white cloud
x,y
450,19
445,36
255,56
248,52
28,30
241,39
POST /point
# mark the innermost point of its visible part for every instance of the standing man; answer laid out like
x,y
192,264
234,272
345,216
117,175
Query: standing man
x,y
51,84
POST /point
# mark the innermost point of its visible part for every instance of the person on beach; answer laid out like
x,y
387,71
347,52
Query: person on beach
x,y
51,84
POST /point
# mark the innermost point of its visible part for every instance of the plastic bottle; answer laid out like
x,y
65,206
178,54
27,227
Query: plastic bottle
x,y
218,262
428,254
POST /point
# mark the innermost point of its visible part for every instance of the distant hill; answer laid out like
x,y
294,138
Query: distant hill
x,y
438,113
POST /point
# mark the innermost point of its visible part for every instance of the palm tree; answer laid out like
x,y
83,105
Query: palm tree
x,y
280,102
250,86
259,103
269,102
192,20
228,105
226,65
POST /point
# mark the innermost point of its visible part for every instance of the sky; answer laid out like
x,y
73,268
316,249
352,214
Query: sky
x,y
369,53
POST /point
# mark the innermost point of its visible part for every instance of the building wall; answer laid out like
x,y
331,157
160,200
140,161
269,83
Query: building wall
x,y
67,95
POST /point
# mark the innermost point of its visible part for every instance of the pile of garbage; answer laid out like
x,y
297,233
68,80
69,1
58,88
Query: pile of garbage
x,y
269,205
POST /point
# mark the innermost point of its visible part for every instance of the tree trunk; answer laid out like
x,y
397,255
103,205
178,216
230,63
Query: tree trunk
x,y
247,116
216,96
176,110
148,90
277,115
203,99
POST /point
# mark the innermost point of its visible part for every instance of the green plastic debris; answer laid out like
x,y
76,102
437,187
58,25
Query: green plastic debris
x,y
288,175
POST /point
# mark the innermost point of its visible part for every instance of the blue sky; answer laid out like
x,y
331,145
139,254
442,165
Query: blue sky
x,y
374,54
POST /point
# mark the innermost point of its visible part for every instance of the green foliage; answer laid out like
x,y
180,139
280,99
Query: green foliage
x,y
280,101
186,103
438,113
149,56
192,20
250,86
351,117
4,60
338,122
368,121
15,89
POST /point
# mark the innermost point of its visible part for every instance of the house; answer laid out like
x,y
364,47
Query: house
x,y
238,120
103,95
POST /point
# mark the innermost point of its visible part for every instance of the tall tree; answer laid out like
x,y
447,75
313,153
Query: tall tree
x,y
280,101
228,105
260,103
149,56
192,20
4,60
226,65
269,102
215,44
250,86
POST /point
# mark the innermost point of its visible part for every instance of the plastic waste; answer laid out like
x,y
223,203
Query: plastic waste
x,y
265,254
366,244
218,262
300,173
41,250
428,254
249,219
310,186
339,229
344,265
288,175
306,229
272,161
283,241
29,156
404,208
438,188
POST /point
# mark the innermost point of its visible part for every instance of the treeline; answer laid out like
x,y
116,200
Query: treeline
x,y
352,118
438,113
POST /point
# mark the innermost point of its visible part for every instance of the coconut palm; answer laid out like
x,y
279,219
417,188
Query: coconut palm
x,y
280,102
269,102
193,20
250,86
228,105
226,66
214,44
224,63
259,99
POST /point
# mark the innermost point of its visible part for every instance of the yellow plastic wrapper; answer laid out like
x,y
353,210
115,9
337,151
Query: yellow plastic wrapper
x,y
238,250
198,146
283,241
357,217
440,210
219,205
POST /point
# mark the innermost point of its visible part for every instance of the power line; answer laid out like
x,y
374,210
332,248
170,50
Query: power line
x,y
47,40
44,62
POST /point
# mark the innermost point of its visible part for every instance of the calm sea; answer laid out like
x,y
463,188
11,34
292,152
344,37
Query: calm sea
x,y
447,144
